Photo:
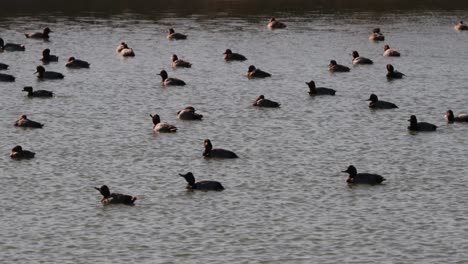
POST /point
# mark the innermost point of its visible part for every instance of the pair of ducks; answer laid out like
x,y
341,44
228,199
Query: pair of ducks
x,y
72,62
188,113
20,47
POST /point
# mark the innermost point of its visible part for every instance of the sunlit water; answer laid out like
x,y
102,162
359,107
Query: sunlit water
x,y
286,200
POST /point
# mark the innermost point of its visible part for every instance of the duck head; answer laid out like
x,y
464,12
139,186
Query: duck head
x,y
40,71
272,19
386,47
311,85
174,57
373,98
46,53
390,68
189,178
376,30
251,68
228,51
332,63
23,117
208,147
2,43
190,108
351,170
260,97
413,120
104,190
71,59
28,89
47,31
17,149
355,54
171,31
450,116
156,119
163,75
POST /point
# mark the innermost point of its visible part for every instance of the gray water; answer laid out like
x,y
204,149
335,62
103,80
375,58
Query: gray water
x,y
286,200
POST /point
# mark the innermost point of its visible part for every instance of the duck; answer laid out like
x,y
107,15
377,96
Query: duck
x,y
256,73
39,35
230,56
114,198
43,74
11,46
162,127
392,73
18,153
201,185
451,118
388,52
124,50
376,35
177,63
360,60
74,63
38,93
188,113
334,67
313,91
274,24
420,126
23,121
6,77
262,102
170,81
210,152
47,57
375,103
460,26
172,35
3,66
362,178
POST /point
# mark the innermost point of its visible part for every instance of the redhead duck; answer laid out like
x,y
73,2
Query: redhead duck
x,y
201,185
262,102
420,126
114,198
319,90
23,121
189,114
6,77
360,60
460,26
210,152
47,57
43,74
375,103
230,56
362,178
451,118
38,93
256,73
3,66
392,73
274,24
18,153
334,67
170,81
124,50
376,35
74,63
11,46
388,52
173,35
162,127
39,35
176,62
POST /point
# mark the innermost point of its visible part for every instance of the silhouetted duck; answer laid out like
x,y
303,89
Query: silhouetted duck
x,y
115,198
451,118
189,114
47,57
460,26
388,52
201,185
392,73
23,121
256,73
274,24
230,56
43,74
124,50
262,102
170,81
38,93
334,67
319,90
176,62
39,35
76,64
18,153
375,103
6,77
173,35
376,35
362,178
210,152
3,66
162,127
360,60
420,126
11,46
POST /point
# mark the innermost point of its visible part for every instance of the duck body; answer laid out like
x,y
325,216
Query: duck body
x,y
166,81
230,56
38,93
6,77
172,35
376,35
115,198
18,153
451,118
256,73
177,63
360,60
201,185
39,35
23,121
420,126
375,103
389,52
161,126
274,24
362,178
262,102
48,75
313,91
11,46
189,114
393,74
334,67
210,152
124,50
76,64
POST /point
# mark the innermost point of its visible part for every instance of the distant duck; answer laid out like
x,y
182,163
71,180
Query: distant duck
x,y
177,63
162,127
375,103
319,90
6,77
18,153
362,178
451,118
376,35
172,35
256,73
392,73
170,81
210,152
11,46
334,67
23,121
201,185
274,24
47,57
39,35
3,66
262,102
124,50
76,64
420,126
43,74
114,198
38,93
230,56
388,52
189,114
460,26
360,60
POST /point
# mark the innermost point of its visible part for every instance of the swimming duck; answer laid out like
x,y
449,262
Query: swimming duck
x,y
11,46
47,57
162,127
451,118
360,60
388,52
376,35
180,63
38,93
274,24
39,35
256,73
3,66
74,63
173,35
362,178
18,153
201,185
189,114
23,121
375,103
420,126
262,102
170,81
43,74
230,56
210,152
392,73
6,77
319,90
460,26
124,50
334,67
115,198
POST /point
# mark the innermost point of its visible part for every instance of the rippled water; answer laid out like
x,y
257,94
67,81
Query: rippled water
x,y
285,199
